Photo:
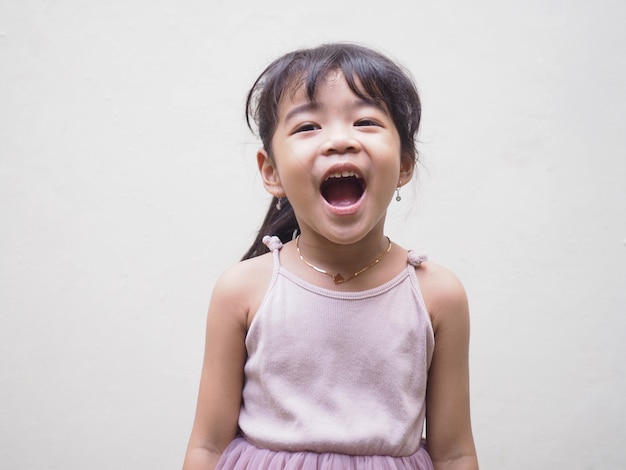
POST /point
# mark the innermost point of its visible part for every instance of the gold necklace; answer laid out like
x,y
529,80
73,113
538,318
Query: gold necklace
x,y
338,278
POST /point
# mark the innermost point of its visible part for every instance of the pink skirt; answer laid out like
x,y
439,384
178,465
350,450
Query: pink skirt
x,y
241,455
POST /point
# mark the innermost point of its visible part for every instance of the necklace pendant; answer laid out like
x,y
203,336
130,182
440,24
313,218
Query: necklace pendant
x,y
338,279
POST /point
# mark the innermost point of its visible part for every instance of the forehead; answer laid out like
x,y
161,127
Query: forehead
x,y
301,88
300,93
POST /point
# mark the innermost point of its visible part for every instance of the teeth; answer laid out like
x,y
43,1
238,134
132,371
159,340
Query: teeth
x,y
342,174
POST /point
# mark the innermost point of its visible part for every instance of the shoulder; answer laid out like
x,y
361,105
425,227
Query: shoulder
x,y
443,292
242,286
242,274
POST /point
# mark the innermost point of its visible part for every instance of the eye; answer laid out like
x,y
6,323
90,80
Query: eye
x,y
306,127
366,122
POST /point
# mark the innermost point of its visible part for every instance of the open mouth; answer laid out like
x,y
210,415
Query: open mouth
x,y
342,189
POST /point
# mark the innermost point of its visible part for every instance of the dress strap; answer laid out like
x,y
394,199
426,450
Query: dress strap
x,y
415,259
273,242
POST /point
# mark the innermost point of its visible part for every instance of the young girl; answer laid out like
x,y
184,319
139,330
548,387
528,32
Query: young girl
x,y
330,350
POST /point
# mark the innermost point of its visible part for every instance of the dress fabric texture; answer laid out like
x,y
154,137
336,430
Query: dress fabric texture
x,y
335,380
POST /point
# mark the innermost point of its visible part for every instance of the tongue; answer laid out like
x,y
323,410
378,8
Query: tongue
x,y
341,191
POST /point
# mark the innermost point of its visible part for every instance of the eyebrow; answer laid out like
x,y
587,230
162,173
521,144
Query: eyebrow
x,y
315,106
303,108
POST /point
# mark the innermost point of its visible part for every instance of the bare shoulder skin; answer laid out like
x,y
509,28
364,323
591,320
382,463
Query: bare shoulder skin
x,y
236,297
448,425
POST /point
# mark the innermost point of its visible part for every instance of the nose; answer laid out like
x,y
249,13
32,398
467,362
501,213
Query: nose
x,y
340,141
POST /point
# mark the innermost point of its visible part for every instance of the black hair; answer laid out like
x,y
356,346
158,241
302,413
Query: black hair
x,y
370,75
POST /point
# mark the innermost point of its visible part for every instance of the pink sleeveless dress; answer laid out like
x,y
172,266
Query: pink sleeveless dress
x,y
335,380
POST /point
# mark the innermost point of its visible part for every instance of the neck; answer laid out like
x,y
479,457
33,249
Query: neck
x,y
342,258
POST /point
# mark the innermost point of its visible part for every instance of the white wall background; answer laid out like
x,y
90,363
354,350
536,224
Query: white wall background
x,y
128,183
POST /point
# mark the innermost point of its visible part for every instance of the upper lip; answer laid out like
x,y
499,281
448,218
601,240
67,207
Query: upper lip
x,y
342,169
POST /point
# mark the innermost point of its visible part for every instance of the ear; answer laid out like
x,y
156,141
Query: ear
x,y
268,171
406,171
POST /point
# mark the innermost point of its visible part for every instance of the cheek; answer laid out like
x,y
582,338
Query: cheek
x,y
294,158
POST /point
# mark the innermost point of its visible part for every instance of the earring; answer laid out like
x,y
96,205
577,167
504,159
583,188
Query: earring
x,y
398,197
279,204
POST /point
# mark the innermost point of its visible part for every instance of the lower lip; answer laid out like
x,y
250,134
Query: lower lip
x,y
345,210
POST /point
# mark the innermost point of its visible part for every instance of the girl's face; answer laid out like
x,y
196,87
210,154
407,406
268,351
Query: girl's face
x,y
337,160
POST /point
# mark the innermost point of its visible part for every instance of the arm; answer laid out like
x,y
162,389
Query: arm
x,y
448,426
221,382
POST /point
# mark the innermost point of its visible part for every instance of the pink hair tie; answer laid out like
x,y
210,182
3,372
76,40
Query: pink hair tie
x,y
273,243
415,259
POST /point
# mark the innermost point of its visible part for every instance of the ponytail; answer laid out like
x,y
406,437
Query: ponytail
x,y
281,223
